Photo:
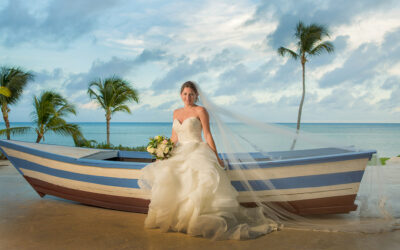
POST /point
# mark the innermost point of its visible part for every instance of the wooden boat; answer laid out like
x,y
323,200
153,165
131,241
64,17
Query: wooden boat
x,y
315,181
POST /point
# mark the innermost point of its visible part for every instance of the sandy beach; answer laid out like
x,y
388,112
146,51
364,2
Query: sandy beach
x,y
30,222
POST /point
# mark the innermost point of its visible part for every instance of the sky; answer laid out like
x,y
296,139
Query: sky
x,y
228,47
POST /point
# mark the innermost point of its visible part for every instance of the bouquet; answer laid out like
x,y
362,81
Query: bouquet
x,y
160,146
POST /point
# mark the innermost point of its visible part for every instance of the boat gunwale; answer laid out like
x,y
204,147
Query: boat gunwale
x,y
72,160
138,165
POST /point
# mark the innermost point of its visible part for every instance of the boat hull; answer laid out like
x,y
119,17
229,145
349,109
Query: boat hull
x,y
327,205
321,185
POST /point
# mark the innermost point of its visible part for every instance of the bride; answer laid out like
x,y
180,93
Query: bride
x,y
190,191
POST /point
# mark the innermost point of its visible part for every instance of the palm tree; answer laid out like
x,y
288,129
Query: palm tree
x,y
14,80
49,110
309,42
112,94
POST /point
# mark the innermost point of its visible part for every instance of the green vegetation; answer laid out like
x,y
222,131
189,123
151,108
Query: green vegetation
x,y
383,160
49,110
82,142
309,41
112,95
120,147
12,82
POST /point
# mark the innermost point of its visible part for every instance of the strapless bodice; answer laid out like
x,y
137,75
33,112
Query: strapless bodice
x,y
189,130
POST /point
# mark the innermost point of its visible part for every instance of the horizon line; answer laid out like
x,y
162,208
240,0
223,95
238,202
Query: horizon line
x,y
313,122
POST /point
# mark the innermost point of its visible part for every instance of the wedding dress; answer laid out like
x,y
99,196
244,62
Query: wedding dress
x,y
191,193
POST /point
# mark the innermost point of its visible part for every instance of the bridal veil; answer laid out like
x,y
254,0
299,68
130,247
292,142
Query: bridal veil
x,y
245,144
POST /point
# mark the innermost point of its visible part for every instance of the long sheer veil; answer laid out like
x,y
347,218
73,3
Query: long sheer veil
x,y
247,145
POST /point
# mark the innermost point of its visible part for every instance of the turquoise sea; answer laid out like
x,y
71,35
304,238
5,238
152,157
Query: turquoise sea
x,y
383,137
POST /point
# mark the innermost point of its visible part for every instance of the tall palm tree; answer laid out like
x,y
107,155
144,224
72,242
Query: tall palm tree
x,y
112,94
309,42
13,79
49,110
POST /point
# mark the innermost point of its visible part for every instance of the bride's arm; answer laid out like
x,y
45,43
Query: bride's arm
x,y
205,122
174,137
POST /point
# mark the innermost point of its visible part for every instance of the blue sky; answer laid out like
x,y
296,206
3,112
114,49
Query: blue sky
x,y
228,47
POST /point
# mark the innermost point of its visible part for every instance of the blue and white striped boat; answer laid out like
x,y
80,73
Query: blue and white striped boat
x,y
316,181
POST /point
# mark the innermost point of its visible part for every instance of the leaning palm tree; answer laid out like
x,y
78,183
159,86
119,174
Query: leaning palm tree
x,y
49,110
309,42
14,80
112,94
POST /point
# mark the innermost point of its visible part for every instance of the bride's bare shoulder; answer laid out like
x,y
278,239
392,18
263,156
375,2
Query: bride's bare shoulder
x,y
201,110
176,112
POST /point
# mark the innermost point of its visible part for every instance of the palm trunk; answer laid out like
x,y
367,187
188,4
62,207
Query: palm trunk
x,y
4,110
301,105
108,118
40,133
39,138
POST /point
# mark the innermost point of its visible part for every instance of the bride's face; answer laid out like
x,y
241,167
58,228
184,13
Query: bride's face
x,y
188,96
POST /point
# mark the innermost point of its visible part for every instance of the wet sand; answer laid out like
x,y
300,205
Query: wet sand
x,y
30,222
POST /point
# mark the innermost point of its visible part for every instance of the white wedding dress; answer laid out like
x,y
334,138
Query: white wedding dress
x,y
191,193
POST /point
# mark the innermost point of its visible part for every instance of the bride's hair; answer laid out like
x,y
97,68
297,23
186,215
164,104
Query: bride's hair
x,y
192,85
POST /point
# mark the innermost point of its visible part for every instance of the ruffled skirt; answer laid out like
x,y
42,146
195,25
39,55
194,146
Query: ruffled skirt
x,y
191,193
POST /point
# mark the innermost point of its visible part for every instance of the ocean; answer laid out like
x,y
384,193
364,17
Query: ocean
x,y
383,137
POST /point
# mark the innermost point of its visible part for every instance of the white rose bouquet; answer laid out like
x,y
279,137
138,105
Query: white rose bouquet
x,y
160,146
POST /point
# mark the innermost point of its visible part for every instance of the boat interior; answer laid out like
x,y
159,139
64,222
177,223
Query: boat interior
x,y
133,156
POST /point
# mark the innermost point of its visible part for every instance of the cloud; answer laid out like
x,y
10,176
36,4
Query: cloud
x,y
16,23
393,102
358,68
184,69
331,13
44,75
365,63
269,76
338,99
60,21
240,78
90,105
115,66
391,83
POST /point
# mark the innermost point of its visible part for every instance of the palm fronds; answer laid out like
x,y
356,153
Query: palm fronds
x,y
15,130
15,79
320,48
81,141
310,41
50,108
4,91
283,51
